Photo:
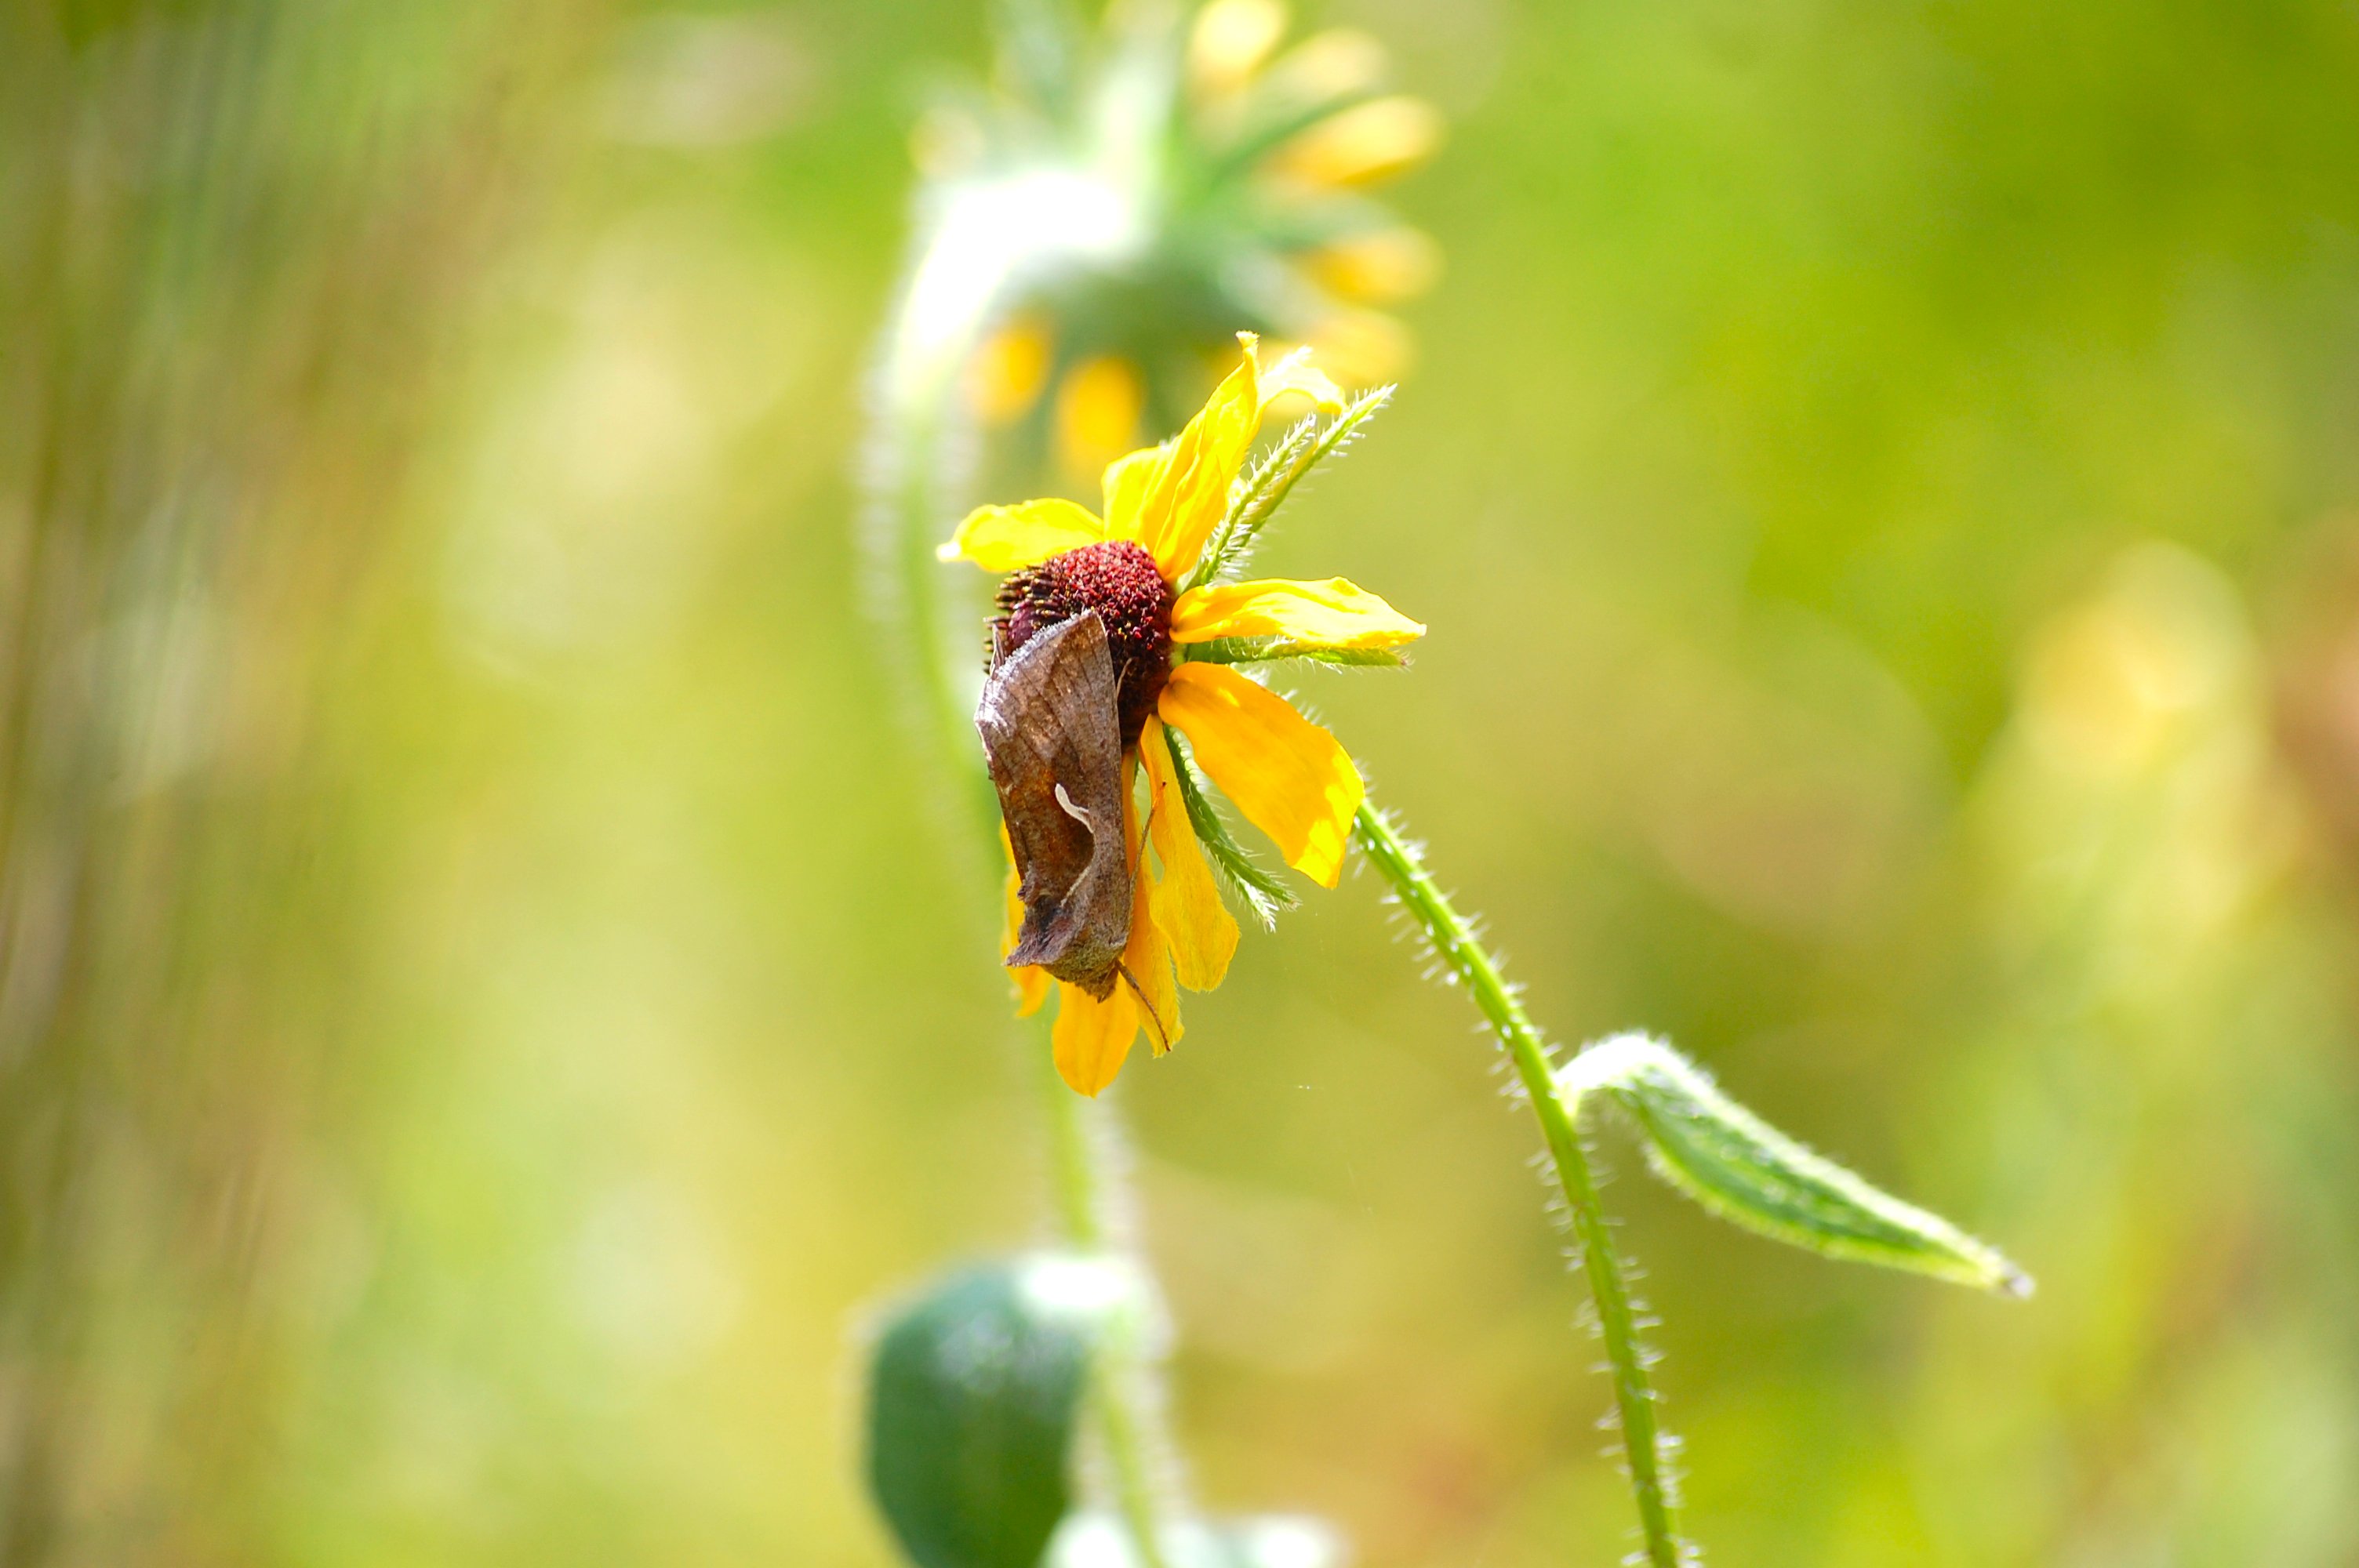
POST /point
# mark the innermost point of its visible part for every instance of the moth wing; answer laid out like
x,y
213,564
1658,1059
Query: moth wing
x,y
1050,727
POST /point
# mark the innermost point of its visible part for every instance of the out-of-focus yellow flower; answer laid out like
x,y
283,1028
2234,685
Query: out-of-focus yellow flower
x,y
1288,776
1009,370
1098,407
1209,173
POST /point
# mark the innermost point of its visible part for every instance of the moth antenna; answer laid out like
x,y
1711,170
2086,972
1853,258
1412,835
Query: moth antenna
x,y
1155,1020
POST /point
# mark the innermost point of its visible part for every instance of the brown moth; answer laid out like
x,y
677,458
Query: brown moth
x,y
1052,733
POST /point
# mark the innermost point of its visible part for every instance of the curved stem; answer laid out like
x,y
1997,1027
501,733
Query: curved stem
x,y
911,507
1634,1396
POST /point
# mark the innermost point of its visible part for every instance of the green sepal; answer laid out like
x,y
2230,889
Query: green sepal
x,y
975,1391
1280,123
1748,1172
1256,500
1271,650
1262,891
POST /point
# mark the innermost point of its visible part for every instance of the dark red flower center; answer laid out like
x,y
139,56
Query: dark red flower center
x,y
1119,581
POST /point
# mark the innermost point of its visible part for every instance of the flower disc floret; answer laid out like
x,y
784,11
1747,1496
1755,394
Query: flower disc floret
x,y
1119,581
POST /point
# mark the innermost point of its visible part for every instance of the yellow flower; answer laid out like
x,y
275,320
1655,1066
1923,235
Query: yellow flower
x,y
1097,412
1232,184
1288,776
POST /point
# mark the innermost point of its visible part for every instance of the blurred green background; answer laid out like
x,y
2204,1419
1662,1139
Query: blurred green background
x,y
485,1005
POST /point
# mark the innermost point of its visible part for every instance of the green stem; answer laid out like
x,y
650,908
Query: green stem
x,y
1642,1439
910,508
1087,1161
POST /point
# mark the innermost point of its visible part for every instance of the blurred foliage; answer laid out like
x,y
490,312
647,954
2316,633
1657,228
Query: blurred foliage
x,y
481,1002
974,1391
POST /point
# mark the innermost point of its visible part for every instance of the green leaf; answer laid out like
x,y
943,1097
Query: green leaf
x,y
1256,501
1747,1172
1261,890
1270,650
974,1393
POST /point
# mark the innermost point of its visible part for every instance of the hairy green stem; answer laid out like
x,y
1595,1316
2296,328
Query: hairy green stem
x,y
1087,1164
911,506
1634,1396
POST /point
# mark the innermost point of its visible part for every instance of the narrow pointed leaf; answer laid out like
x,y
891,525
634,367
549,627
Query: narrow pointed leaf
x,y
1257,499
1271,650
1264,893
1747,1172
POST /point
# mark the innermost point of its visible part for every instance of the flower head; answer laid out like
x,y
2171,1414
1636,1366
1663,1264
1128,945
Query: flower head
x,y
1153,566
1169,177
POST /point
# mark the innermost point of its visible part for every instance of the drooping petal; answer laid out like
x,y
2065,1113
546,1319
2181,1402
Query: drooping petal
x,y
1332,615
1127,482
1185,904
1092,1037
1288,775
1191,492
1146,969
1295,373
1007,538
1031,981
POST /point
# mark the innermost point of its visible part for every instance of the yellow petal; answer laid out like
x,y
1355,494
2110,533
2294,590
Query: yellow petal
x,y
1092,1037
1364,347
1127,482
1295,375
1328,64
1288,775
1191,491
1169,500
1381,266
1031,981
1146,957
1147,968
1363,145
1332,615
1007,538
1186,904
1230,42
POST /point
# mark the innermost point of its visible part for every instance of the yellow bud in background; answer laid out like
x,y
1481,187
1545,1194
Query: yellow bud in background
x,y
1363,145
1378,267
1097,413
1007,372
1230,42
